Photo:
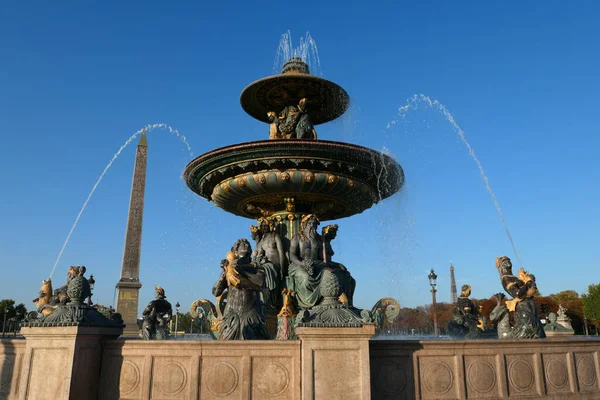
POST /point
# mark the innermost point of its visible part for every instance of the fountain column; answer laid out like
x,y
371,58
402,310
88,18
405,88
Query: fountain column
x,y
129,285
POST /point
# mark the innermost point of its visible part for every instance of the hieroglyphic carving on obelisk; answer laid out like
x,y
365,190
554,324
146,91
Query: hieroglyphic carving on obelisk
x,y
129,285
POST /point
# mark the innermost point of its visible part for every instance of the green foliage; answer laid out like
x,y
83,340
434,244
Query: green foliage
x,y
591,304
7,306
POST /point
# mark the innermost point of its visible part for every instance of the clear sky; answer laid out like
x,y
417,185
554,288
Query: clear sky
x,y
77,79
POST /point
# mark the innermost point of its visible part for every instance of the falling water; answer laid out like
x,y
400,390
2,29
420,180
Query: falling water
x,y
307,50
419,99
147,128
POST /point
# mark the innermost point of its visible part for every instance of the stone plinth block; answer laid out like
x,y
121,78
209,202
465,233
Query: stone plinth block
x,y
335,362
63,362
127,306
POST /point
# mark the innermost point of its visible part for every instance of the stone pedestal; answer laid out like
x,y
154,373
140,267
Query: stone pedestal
x,y
127,305
63,362
335,362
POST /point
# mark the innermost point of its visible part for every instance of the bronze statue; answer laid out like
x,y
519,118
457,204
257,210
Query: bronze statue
x,y
293,122
157,315
286,317
522,288
465,319
307,264
243,318
48,300
270,249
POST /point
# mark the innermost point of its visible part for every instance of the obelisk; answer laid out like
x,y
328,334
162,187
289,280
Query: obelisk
x,y
129,285
453,294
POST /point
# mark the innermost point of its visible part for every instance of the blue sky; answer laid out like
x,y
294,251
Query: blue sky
x,y
77,79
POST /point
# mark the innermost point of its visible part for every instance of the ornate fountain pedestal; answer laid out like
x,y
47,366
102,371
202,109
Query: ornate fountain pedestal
x,y
63,362
335,362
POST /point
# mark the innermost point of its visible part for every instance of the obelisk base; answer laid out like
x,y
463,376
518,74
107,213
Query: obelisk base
x,y
335,362
127,305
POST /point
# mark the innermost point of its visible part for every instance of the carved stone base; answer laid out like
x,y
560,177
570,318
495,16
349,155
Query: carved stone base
x,y
127,306
63,362
335,362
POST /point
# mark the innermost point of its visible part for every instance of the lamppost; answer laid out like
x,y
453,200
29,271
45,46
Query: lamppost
x,y
586,325
176,317
92,282
432,278
4,323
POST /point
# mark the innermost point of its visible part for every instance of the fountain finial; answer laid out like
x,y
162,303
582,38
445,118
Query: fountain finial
x,y
295,65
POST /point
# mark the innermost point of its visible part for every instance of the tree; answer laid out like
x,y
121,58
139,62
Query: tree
x,y
570,300
8,311
591,305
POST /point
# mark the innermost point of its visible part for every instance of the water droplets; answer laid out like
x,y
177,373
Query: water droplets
x,y
419,100
147,128
307,51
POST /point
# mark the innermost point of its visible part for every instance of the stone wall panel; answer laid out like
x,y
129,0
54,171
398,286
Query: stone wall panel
x,y
122,377
483,376
272,378
222,377
438,377
558,374
586,367
522,375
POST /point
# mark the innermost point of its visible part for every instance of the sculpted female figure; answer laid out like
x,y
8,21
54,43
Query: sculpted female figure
x,y
243,317
270,248
307,265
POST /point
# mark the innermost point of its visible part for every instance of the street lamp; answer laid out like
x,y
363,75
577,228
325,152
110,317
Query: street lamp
x,y
92,282
176,316
432,281
585,324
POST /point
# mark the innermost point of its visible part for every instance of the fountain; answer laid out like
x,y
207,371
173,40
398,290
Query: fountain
x,y
289,183
292,176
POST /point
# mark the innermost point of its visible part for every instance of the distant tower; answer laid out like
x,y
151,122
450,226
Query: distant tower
x,y
453,294
129,285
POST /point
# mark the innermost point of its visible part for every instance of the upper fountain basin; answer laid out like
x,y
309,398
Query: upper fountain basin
x,y
326,100
329,179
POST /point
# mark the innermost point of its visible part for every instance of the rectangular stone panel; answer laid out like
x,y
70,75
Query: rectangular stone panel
x,y
223,377
392,377
438,377
44,385
521,374
557,373
122,377
8,374
337,371
482,376
586,369
171,376
272,378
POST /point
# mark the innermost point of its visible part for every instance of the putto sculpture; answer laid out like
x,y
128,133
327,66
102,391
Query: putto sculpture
x,y
157,315
244,280
522,288
465,319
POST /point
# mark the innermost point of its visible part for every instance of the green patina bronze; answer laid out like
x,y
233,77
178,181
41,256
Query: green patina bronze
x,y
290,183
